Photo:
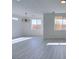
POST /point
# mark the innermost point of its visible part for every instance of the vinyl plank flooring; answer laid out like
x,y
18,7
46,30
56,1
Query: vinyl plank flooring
x,y
36,48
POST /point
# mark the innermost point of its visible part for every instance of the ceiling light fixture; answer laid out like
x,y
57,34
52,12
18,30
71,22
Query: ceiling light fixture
x,y
63,1
18,0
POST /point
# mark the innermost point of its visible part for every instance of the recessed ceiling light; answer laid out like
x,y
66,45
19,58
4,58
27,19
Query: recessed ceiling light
x,y
18,0
63,1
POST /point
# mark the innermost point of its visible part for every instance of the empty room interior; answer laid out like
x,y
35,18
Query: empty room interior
x,y
38,29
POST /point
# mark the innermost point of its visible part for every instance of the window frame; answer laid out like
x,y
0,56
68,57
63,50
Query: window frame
x,y
36,24
61,18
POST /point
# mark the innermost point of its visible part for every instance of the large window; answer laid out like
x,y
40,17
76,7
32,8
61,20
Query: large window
x,y
60,23
36,24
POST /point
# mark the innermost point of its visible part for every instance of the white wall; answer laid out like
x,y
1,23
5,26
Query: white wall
x,y
17,28
49,31
21,28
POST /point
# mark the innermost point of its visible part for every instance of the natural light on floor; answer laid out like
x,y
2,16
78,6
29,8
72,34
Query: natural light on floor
x,y
17,40
56,44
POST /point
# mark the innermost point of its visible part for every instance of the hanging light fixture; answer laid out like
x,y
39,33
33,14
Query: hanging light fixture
x,y
63,1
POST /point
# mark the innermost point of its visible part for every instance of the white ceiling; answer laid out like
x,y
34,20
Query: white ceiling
x,y
36,8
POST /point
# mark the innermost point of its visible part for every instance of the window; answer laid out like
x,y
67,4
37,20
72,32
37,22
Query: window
x,y
60,23
36,24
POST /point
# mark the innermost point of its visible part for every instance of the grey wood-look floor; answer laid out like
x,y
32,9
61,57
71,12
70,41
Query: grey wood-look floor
x,y
36,48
